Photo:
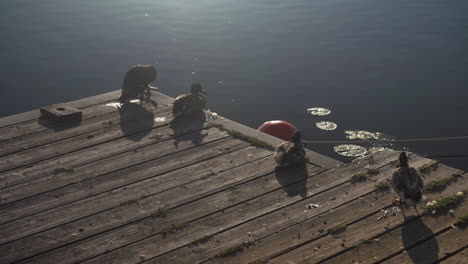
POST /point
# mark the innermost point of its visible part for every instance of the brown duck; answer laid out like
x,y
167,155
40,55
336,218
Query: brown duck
x,y
290,153
190,103
136,83
407,182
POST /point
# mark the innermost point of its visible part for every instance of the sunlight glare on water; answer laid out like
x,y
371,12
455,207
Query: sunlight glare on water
x,y
398,67
119,105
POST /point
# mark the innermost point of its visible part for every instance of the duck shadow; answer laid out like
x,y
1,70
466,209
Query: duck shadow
x,y
428,252
293,179
189,128
135,121
57,125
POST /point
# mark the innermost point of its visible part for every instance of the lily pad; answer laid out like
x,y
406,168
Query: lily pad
x,y
350,150
318,111
365,135
326,125
377,149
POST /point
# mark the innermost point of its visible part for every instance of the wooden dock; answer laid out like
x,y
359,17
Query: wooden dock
x,y
126,187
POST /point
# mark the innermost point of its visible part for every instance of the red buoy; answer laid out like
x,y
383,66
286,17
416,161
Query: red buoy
x,y
277,128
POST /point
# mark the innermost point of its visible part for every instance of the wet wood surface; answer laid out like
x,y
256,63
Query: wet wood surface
x,y
127,186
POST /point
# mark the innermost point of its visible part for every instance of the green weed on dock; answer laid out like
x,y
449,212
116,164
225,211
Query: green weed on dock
x,y
251,140
440,184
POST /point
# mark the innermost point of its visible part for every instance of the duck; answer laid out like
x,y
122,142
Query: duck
x,y
136,83
407,182
290,153
191,103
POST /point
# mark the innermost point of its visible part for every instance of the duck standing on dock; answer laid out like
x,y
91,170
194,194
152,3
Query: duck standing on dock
x,y
191,103
407,183
136,83
290,153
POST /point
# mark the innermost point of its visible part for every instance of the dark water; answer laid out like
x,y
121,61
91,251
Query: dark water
x,y
399,67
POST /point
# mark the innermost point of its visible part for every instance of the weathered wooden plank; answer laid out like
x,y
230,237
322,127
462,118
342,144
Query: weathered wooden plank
x,y
76,158
74,210
404,238
333,246
18,118
209,207
210,162
323,186
136,220
83,157
81,103
459,258
261,196
135,116
314,158
100,150
116,215
82,141
436,248
392,241
31,195
303,224
90,113
32,128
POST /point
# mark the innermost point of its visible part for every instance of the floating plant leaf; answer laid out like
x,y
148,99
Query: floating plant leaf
x,y
377,149
350,150
365,135
318,111
326,125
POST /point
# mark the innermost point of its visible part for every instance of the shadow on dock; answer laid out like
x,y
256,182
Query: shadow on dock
x,y
58,126
414,231
135,121
189,128
293,179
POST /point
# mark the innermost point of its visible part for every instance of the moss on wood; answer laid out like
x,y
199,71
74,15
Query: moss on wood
x,y
251,140
62,170
160,213
383,186
202,240
427,168
440,184
172,229
129,201
371,172
462,221
234,249
358,177
337,229
444,203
